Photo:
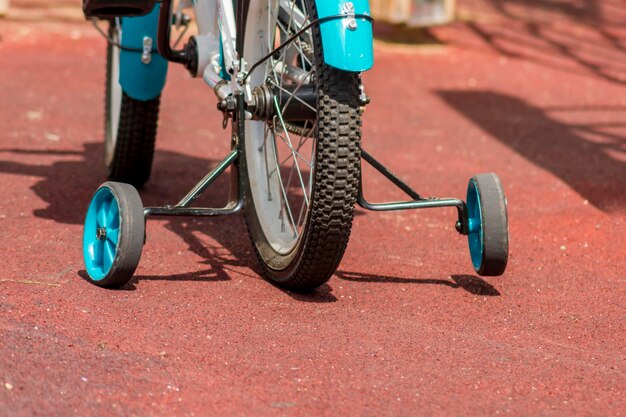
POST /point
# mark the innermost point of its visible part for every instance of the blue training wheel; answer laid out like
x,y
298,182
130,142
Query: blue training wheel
x,y
488,225
114,234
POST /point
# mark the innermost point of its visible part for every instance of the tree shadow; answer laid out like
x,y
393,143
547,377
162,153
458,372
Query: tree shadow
x,y
584,10
591,168
402,34
576,36
469,283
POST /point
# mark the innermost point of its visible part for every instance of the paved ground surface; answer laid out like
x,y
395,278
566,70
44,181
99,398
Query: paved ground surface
x,y
534,93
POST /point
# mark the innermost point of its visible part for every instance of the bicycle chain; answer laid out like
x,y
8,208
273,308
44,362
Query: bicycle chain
x,y
299,130
292,128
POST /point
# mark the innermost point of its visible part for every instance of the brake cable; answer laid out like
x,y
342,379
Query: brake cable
x,y
94,21
266,57
300,32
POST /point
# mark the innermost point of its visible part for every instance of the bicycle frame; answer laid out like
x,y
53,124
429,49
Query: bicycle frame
x,y
347,42
251,101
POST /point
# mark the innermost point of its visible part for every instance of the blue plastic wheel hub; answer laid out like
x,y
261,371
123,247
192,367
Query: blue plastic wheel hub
x,y
475,225
101,234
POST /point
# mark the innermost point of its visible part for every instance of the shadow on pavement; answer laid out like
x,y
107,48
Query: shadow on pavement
x,y
578,36
128,287
67,184
593,168
322,294
401,34
585,10
469,283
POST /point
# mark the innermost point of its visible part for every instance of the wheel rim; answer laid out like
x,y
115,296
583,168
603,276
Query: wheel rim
x,y
101,234
115,98
475,225
281,154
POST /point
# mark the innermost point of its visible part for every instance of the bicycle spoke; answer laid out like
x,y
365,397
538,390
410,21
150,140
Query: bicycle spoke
x,y
310,176
282,122
267,168
294,152
297,43
285,161
291,94
283,192
291,170
300,144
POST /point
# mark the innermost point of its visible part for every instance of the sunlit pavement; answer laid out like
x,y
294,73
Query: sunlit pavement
x,y
405,328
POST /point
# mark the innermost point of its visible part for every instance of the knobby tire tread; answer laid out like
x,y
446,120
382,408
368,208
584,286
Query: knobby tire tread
x,y
134,149
336,181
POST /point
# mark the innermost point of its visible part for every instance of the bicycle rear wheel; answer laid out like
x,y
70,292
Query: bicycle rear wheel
x,y
302,151
130,126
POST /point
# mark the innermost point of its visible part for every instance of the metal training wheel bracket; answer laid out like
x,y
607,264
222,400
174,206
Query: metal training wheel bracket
x,y
417,202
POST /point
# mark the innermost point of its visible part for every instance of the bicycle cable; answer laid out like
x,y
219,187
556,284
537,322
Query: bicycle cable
x,y
262,60
300,32
94,22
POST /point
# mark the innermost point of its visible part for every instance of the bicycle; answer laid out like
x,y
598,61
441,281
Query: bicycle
x,y
287,76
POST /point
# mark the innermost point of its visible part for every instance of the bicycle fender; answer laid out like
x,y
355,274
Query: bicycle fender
x,y
345,48
141,81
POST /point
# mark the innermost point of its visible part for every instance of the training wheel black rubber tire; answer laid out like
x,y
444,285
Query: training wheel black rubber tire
x,y
488,225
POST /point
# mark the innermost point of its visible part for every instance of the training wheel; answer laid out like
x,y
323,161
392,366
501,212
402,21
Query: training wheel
x,y
488,226
114,234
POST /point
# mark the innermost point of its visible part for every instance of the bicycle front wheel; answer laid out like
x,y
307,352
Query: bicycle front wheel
x,y
302,149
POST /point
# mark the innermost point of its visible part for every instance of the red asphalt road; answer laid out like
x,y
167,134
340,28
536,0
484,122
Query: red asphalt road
x,y
404,328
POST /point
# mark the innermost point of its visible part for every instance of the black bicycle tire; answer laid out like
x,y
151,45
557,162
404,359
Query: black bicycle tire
x,y
335,186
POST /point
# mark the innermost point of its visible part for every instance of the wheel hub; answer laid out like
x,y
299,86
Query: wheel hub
x,y
294,103
101,233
